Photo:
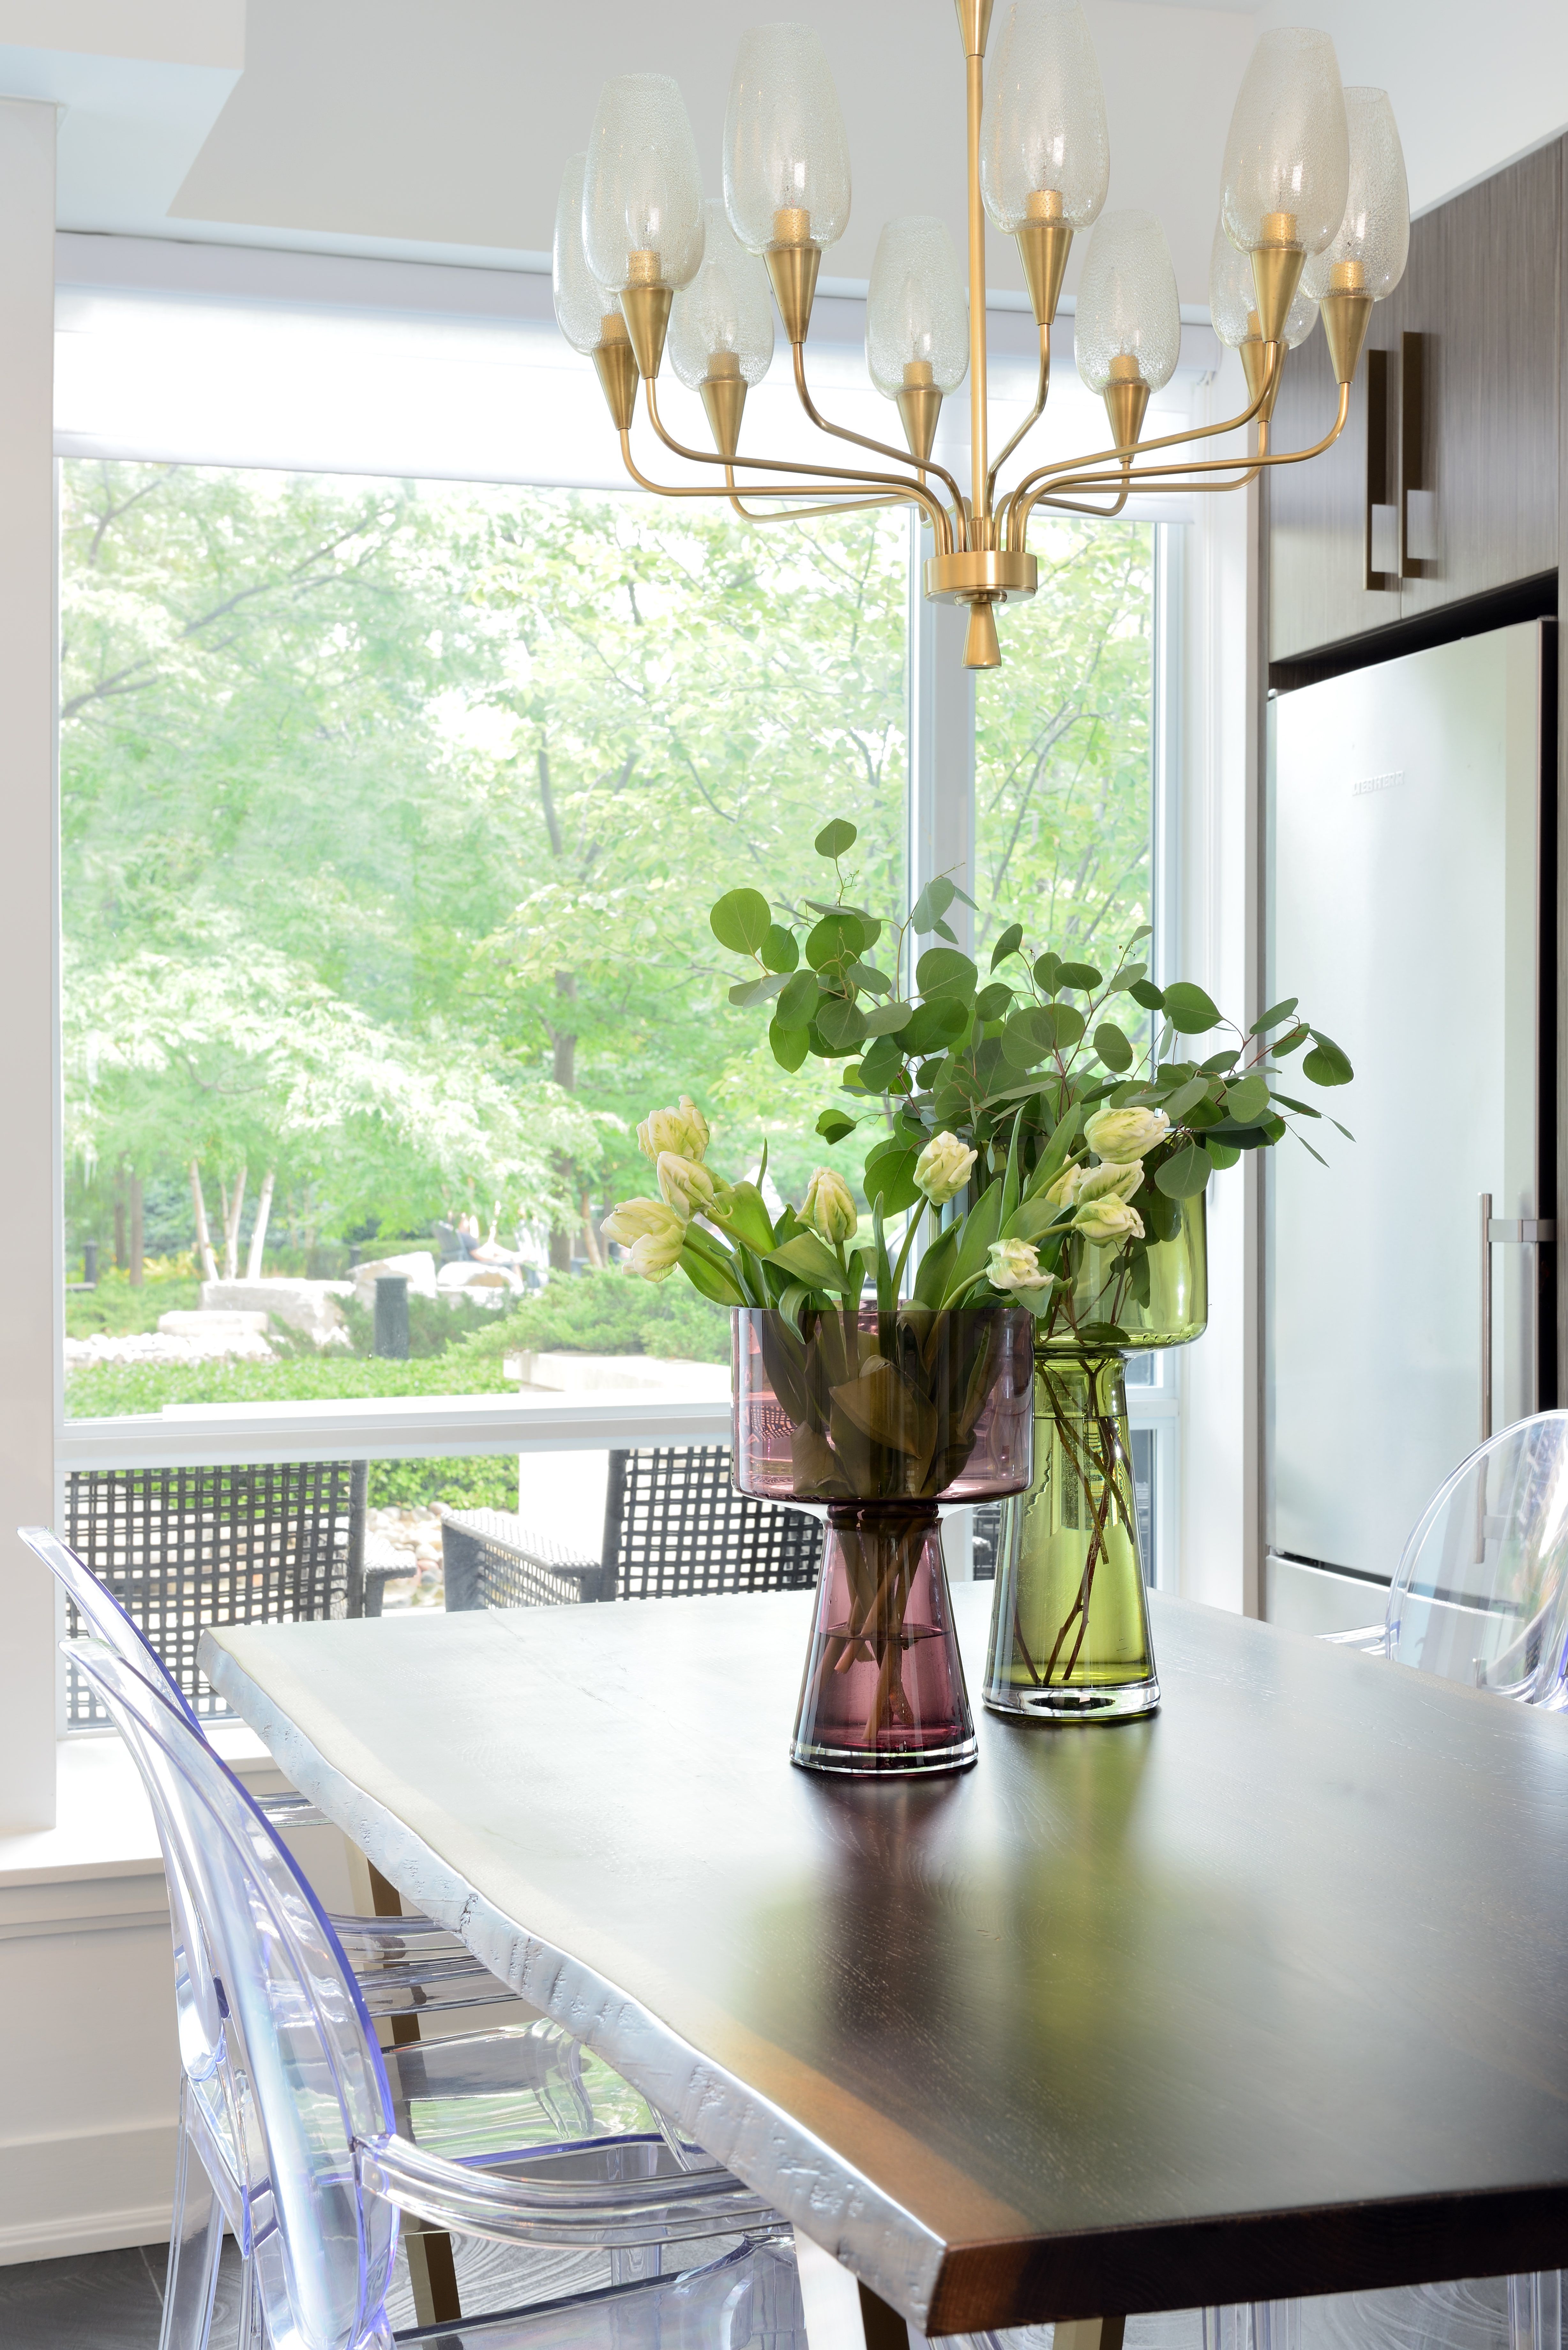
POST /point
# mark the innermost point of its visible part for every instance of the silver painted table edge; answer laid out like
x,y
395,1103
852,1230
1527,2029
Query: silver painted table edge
x,y
874,2236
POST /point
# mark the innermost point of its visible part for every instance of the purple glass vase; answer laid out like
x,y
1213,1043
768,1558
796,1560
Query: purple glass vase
x,y
881,1415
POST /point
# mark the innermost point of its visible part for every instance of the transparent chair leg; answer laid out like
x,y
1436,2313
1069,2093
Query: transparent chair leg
x,y
1536,2310
195,2243
250,2334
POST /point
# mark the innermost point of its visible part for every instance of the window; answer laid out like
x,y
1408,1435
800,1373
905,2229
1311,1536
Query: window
x,y
391,813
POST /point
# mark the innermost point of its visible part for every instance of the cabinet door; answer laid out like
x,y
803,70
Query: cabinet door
x,y
1315,512
1482,290
1480,447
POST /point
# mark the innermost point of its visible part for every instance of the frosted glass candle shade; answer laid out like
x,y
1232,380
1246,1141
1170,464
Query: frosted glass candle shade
x,y
1044,129
642,192
785,146
582,304
1287,158
1369,251
1127,303
1233,298
725,314
916,315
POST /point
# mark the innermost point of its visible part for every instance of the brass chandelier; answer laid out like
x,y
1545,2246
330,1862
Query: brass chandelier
x,y
1314,218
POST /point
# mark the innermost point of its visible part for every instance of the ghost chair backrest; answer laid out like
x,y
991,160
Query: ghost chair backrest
x,y
102,1614
299,2059
1480,1593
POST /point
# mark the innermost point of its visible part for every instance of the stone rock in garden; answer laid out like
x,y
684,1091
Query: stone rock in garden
x,y
208,1324
310,1306
487,1285
419,1267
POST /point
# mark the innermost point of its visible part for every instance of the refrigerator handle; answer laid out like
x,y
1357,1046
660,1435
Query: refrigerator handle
x,y
1533,1232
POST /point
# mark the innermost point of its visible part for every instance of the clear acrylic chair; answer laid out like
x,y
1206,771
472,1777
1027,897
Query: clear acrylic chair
x,y
311,2144
1480,1592
404,1965
1479,1595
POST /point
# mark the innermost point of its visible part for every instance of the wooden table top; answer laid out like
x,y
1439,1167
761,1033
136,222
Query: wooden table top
x,y
1265,1996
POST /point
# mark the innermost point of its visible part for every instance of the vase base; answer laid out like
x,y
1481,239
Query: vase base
x,y
1121,1701
958,1754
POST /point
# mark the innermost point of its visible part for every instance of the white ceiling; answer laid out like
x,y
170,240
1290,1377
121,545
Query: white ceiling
x,y
398,127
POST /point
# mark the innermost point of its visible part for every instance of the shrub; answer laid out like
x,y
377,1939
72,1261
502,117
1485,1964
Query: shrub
x,y
615,1313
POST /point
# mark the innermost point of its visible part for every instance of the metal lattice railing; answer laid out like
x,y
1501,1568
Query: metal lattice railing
x,y
674,1526
184,1548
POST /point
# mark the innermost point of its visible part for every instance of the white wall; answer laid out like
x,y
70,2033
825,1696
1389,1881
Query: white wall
x,y
383,120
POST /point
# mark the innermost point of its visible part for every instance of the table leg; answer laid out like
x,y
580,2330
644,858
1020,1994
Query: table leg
x,y
1090,2333
433,2271
842,2313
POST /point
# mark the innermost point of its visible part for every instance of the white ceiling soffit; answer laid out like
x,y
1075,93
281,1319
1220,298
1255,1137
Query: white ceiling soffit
x,y
310,364
140,84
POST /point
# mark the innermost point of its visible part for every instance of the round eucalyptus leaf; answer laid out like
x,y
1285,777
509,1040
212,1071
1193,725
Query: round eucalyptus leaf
x,y
742,920
790,1046
943,971
1081,975
838,939
1112,1046
992,1002
1188,1009
842,1025
941,1021
779,950
798,999
1029,1035
1185,1175
835,838
887,1019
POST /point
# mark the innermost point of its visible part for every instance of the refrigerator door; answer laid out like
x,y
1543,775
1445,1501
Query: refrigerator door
x,y
1405,887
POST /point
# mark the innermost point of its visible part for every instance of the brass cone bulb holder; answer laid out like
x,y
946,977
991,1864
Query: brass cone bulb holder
x,y
1346,318
1127,404
646,309
1277,274
1042,248
974,24
793,268
1257,356
723,395
981,649
920,405
615,363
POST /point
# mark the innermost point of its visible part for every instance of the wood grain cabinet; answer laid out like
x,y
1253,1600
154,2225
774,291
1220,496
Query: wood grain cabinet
x,y
1452,442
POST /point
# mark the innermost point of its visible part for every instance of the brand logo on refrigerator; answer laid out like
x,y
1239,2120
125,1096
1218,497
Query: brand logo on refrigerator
x,y
1377,783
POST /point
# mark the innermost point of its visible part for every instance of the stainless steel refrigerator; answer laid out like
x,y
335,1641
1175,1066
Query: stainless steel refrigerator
x,y
1406,904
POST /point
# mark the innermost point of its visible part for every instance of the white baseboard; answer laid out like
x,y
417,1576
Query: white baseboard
x,y
97,2232
90,2191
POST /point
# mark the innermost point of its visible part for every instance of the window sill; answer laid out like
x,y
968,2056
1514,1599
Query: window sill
x,y
386,1426
103,1824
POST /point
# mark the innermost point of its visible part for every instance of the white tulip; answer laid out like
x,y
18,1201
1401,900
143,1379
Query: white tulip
x,y
829,1207
683,1130
1016,1265
1109,1219
941,1170
686,1184
1122,1134
652,1231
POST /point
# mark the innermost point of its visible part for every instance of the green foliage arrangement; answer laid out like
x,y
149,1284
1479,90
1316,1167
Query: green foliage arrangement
x,y
1054,1112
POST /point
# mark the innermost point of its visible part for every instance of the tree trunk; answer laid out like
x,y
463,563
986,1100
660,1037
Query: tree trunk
x,y
136,1231
203,1238
258,1238
120,1222
564,1069
232,1226
591,1238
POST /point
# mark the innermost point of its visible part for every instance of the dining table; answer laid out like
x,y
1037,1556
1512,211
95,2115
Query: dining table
x,y
1262,1996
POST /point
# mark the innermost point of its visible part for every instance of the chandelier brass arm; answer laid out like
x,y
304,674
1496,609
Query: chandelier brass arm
x,y
1032,419
1069,469
756,489
853,478
1152,477
882,448
803,514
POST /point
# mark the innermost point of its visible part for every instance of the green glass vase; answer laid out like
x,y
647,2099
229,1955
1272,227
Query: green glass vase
x,y
1069,1627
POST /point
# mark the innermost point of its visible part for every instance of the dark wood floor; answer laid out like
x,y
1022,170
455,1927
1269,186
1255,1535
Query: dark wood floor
x,y
113,2301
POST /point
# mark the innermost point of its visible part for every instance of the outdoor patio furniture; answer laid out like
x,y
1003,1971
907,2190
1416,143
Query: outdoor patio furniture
x,y
674,1526
184,1548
